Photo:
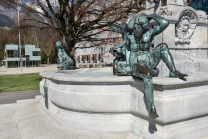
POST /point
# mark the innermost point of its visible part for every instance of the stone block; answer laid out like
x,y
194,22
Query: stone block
x,y
174,2
202,53
169,35
202,36
180,53
117,104
158,40
191,67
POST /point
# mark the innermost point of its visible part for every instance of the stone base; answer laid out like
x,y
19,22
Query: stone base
x,y
191,129
108,103
91,65
188,66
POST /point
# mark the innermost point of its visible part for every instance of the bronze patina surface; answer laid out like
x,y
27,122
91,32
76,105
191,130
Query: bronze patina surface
x,y
140,62
66,62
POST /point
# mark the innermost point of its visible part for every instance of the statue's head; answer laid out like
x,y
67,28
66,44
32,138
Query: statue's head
x,y
184,24
58,44
141,26
143,22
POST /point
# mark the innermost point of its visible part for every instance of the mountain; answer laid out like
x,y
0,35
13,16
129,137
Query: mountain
x,y
8,15
54,4
5,21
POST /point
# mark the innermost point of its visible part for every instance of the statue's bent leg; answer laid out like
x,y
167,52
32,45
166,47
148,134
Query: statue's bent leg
x,y
141,71
70,61
115,62
120,68
148,90
127,56
162,52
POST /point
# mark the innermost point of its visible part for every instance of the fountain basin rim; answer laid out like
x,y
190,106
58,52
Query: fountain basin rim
x,y
161,81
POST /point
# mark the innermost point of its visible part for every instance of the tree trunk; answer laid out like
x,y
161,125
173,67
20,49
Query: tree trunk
x,y
48,60
70,45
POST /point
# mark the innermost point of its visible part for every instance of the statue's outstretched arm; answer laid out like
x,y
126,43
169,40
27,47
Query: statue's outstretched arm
x,y
113,26
162,24
120,44
60,56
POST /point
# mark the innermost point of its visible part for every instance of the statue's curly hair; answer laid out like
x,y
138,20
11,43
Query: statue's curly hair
x,y
142,19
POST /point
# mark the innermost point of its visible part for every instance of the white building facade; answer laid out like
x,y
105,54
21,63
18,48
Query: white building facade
x,y
30,56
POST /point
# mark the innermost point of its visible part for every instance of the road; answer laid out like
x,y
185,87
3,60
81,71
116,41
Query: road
x,y
12,97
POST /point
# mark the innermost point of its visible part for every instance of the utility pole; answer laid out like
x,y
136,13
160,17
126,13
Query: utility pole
x,y
18,8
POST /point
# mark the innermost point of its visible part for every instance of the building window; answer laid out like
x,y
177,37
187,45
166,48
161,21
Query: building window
x,y
12,64
88,58
27,63
37,46
27,57
9,64
23,52
12,53
9,53
16,53
36,53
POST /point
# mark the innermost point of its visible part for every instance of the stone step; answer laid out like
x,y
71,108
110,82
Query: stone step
x,y
24,101
26,120
8,126
7,107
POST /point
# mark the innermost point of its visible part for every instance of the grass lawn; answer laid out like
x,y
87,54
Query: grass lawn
x,y
11,83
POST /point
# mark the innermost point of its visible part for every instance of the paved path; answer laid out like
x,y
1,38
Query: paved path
x,y
26,120
12,97
14,71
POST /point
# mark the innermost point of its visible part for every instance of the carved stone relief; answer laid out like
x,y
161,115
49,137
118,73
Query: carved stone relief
x,y
172,1
186,26
202,15
150,4
164,11
175,2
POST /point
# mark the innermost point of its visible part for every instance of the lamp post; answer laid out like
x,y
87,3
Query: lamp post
x,y
18,8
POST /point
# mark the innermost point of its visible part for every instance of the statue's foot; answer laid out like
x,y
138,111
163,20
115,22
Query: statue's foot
x,y
177,74
153,113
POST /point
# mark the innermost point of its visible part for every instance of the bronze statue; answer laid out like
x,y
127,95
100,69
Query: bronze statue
x,y
66,62
143,64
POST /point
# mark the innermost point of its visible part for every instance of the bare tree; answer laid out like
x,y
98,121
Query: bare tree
x,y
71,20
45,37
3,40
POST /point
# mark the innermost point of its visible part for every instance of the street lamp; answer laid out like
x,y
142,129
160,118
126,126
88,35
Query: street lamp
x,y
18,9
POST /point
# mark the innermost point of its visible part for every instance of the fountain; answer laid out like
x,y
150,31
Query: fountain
x,y
96,100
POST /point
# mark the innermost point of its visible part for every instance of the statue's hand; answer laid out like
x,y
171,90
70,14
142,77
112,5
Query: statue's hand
x,y
111,50
108,20
151,16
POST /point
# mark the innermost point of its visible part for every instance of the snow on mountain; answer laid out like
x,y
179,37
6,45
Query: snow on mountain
x,y
54,4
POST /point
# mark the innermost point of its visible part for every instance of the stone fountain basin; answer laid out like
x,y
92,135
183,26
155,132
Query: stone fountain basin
x,y
95,99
